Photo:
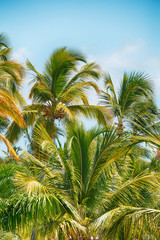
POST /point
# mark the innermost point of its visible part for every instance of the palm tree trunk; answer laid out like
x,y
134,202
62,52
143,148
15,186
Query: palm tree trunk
x,y
120,129
33,236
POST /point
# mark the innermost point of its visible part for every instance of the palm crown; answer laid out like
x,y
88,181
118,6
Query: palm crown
x,y
134,98
59,88
60,93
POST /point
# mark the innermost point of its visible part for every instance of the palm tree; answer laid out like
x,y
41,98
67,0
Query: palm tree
x,y
11,74
59,93
98,186
135,97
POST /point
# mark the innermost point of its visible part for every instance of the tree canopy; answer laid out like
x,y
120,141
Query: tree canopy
x,y
102,181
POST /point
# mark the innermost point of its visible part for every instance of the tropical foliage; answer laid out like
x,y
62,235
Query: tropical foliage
x,y
134,98
59,94
101,182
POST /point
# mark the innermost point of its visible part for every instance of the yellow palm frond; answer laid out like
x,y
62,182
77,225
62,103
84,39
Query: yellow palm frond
x,y
65,110
41,136
8,108
103,114
79,86
29,184
10,148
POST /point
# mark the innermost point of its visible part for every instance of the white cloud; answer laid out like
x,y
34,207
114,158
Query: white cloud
x,y
21,54
136,56
125,58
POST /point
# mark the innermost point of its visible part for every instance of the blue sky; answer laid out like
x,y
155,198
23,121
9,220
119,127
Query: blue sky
x,y
119,35
99,28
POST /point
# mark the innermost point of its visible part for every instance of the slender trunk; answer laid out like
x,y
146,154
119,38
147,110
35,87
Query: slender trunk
x,y
33,236
120,129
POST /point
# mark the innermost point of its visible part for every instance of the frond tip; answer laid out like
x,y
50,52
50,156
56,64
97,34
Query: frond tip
x,y
10,148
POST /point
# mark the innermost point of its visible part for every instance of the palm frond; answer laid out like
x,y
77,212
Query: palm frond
x,y
128,221
102,114
8,108
90,70
77,90
10,148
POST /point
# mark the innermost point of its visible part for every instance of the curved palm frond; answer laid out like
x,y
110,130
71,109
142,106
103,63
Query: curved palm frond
x,y
102,114
10,148
129,223
8,108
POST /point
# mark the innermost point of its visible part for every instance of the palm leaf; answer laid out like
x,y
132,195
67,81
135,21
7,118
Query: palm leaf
x,y
102,114
10,148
